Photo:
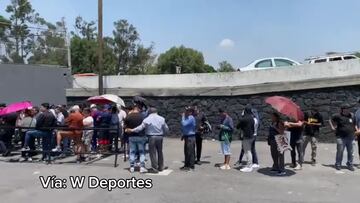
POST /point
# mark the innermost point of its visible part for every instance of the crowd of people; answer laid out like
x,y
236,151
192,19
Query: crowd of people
x,y
140,127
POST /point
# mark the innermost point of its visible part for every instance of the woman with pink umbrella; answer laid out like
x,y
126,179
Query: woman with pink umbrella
x,y
287,107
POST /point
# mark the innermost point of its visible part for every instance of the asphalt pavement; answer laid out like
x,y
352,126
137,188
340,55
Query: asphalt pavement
x,y
21,182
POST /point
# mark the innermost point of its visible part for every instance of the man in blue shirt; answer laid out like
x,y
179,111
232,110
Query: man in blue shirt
x,y
188,126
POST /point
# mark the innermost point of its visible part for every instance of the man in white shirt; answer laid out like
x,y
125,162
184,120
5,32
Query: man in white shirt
x,y
88,122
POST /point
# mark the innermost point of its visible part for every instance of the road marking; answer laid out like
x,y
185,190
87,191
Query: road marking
x,y
162,173
36,172
340,172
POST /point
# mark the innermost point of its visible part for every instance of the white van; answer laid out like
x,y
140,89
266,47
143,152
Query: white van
x,y
324,59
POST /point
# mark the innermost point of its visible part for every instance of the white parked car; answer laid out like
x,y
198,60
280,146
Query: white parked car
x,y
329,58
267,63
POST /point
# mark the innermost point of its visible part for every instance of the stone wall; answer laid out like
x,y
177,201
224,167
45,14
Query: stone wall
x,y
327,100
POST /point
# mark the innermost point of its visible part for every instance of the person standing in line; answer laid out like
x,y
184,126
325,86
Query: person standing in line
x,y
357,126
344,127
155,128
188,125
276,128
122,115
104,121
313,122
88,122
225,137
296,142
247,126
95,113
201,128
44,122
137,140
116,128
253,148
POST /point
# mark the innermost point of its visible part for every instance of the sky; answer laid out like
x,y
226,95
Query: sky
x,y
238,31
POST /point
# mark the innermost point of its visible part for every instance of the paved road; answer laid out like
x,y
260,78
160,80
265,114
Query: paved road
x,y
19,182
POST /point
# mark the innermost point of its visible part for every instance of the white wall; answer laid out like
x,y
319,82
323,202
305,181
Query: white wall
x,y
289,74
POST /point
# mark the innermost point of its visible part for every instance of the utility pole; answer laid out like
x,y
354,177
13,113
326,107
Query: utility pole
x,y
67,44
100,46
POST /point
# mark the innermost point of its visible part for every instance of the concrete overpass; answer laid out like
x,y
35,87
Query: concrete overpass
x,y
323,86
309,76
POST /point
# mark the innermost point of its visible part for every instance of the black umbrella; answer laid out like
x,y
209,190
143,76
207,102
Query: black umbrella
x,y
138,100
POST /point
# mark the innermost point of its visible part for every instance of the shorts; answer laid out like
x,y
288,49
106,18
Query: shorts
x,y
74,135
87,137
225,148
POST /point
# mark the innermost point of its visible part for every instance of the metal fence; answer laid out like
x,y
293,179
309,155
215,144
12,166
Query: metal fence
x,y
50,153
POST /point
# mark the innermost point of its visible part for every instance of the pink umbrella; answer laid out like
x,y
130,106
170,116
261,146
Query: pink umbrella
x,y
286,106
15,107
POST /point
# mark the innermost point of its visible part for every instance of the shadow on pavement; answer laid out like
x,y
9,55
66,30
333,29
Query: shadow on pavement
x,y
333,166
266,171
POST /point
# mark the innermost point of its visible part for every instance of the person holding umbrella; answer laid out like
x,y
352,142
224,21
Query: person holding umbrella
x,y
344,127
276,128
287,107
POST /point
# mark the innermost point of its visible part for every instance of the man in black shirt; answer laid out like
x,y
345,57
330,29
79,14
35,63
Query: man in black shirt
x,y
136,140
344,126
201,129
313,122
247,126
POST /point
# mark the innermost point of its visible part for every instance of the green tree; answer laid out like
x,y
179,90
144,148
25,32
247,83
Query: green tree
x,y
84,45
189,60
49,46
225,67
5,25
133,57
125,41
83,55
20,39
85,29
209,69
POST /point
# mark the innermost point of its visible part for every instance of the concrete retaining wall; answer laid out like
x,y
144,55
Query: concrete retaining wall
x,y
327,100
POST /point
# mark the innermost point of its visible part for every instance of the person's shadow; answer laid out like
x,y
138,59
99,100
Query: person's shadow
x,y
267,172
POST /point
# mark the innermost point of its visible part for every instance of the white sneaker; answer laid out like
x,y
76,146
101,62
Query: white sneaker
x,y
225,167
56,149
255,166
24,149
246,170
132,169
30,159
298,167
143,170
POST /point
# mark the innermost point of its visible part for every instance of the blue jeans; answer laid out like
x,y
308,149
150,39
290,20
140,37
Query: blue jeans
x,y
343,143
137,146
46,139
